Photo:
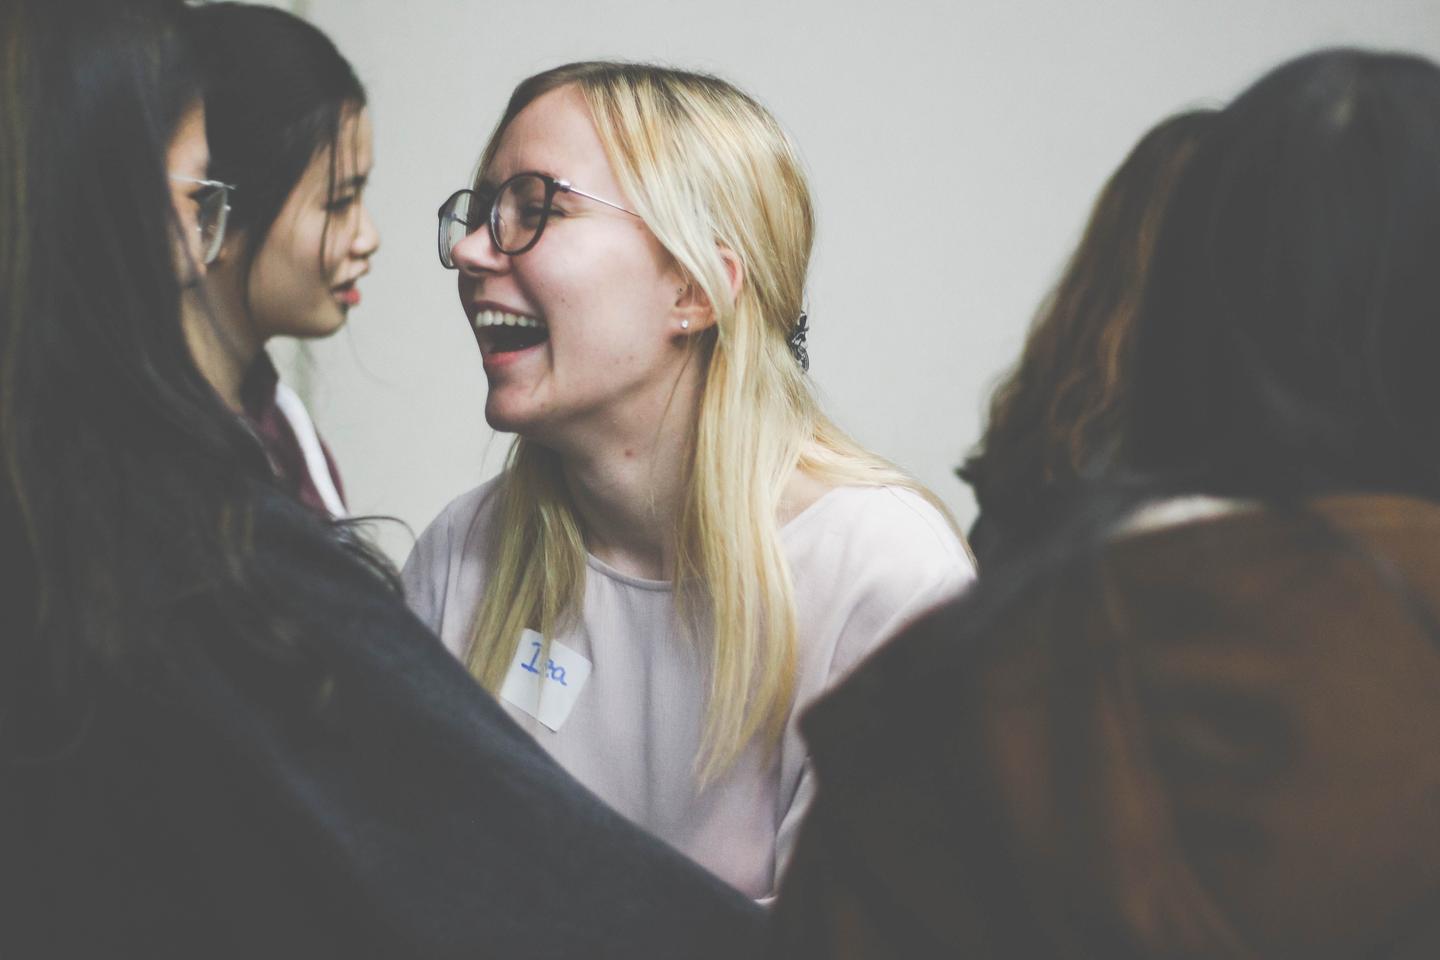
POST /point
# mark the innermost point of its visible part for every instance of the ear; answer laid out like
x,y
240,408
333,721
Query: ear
x,y
734,271
692,307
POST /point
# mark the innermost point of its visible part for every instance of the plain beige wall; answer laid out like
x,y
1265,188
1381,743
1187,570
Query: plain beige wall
x,y
953,148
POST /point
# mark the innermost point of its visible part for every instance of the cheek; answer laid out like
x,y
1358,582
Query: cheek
x,y
286,276
186,223
303,251
610,297
180,204
545,284
605,283
337,239
306,273
333,257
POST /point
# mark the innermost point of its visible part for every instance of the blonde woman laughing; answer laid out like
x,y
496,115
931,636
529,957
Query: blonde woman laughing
x,y
683,550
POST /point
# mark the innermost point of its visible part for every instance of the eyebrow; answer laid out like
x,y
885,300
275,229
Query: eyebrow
x,y
490,183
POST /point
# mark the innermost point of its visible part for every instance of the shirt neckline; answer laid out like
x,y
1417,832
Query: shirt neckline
x,y
668,586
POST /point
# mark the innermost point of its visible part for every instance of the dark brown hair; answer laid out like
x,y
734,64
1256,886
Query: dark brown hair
x,y
1288,339
1056,420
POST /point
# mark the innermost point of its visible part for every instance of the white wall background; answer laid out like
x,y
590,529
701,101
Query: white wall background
x,y
1000,119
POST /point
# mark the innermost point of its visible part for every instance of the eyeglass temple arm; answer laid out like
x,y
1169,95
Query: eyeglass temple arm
x,y
229,187
564,187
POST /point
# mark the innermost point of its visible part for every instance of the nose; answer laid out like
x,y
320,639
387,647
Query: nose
x,y
367,237
477,254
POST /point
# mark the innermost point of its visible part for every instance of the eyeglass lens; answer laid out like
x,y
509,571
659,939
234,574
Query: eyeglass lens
x,y
517,214
456,224
214,210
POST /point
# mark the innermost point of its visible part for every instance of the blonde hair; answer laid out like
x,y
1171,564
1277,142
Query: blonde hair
x,y
708,169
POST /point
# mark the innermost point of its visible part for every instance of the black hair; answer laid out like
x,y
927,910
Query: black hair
x,y
128,490
277,93
1290,329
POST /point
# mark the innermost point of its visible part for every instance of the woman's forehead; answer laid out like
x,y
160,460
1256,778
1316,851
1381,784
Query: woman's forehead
x,y
355,146
352,158
554,134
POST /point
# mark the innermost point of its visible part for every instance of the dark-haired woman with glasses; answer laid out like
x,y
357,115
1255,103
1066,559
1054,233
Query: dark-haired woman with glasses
x,y
222,734
287,124
683,549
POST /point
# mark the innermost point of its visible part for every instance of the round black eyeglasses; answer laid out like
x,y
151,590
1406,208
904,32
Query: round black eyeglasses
x,y
515,213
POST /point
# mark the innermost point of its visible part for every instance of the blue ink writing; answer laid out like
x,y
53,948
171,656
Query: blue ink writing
x,y
533,657
553,669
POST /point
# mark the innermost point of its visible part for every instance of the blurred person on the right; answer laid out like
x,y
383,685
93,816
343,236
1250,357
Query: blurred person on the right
x,y
1200,720
1057,417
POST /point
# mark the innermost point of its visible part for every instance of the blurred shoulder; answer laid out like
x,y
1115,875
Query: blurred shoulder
x,y
475,506
885,525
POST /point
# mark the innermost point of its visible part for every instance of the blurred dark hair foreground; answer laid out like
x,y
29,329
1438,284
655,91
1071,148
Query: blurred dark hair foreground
x,y
1203,728
222,734
1058,419
125,479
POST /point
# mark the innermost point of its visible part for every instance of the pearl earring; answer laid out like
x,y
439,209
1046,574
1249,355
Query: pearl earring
x,y
684,324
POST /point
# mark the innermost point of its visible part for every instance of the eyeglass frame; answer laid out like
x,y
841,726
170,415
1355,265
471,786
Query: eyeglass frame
x,y
208,256
553,185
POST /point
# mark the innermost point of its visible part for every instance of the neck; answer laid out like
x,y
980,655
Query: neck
x,y
221,335
629,489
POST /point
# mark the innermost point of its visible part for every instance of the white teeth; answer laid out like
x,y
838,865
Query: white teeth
x,y
498,318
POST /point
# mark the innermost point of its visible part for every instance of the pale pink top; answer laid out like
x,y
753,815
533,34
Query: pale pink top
x,y
863,560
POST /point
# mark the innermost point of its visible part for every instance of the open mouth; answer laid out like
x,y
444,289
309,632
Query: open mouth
x,y
501,332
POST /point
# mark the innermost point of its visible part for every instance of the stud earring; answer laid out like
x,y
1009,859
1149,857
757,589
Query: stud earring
x,y
684,324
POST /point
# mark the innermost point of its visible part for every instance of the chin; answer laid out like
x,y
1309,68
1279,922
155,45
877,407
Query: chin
x,y
510,418
316,326
500,422
331,323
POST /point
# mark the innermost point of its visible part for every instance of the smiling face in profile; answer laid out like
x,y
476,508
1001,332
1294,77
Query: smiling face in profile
x,y
303,281
578,332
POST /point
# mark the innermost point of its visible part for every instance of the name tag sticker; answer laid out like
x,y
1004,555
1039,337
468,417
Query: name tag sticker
x,y
545,688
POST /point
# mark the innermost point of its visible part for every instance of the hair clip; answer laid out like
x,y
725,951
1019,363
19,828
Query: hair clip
x,y
797,342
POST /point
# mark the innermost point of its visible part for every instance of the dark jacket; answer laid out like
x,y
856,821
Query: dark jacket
x,y
355,796
1217,739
